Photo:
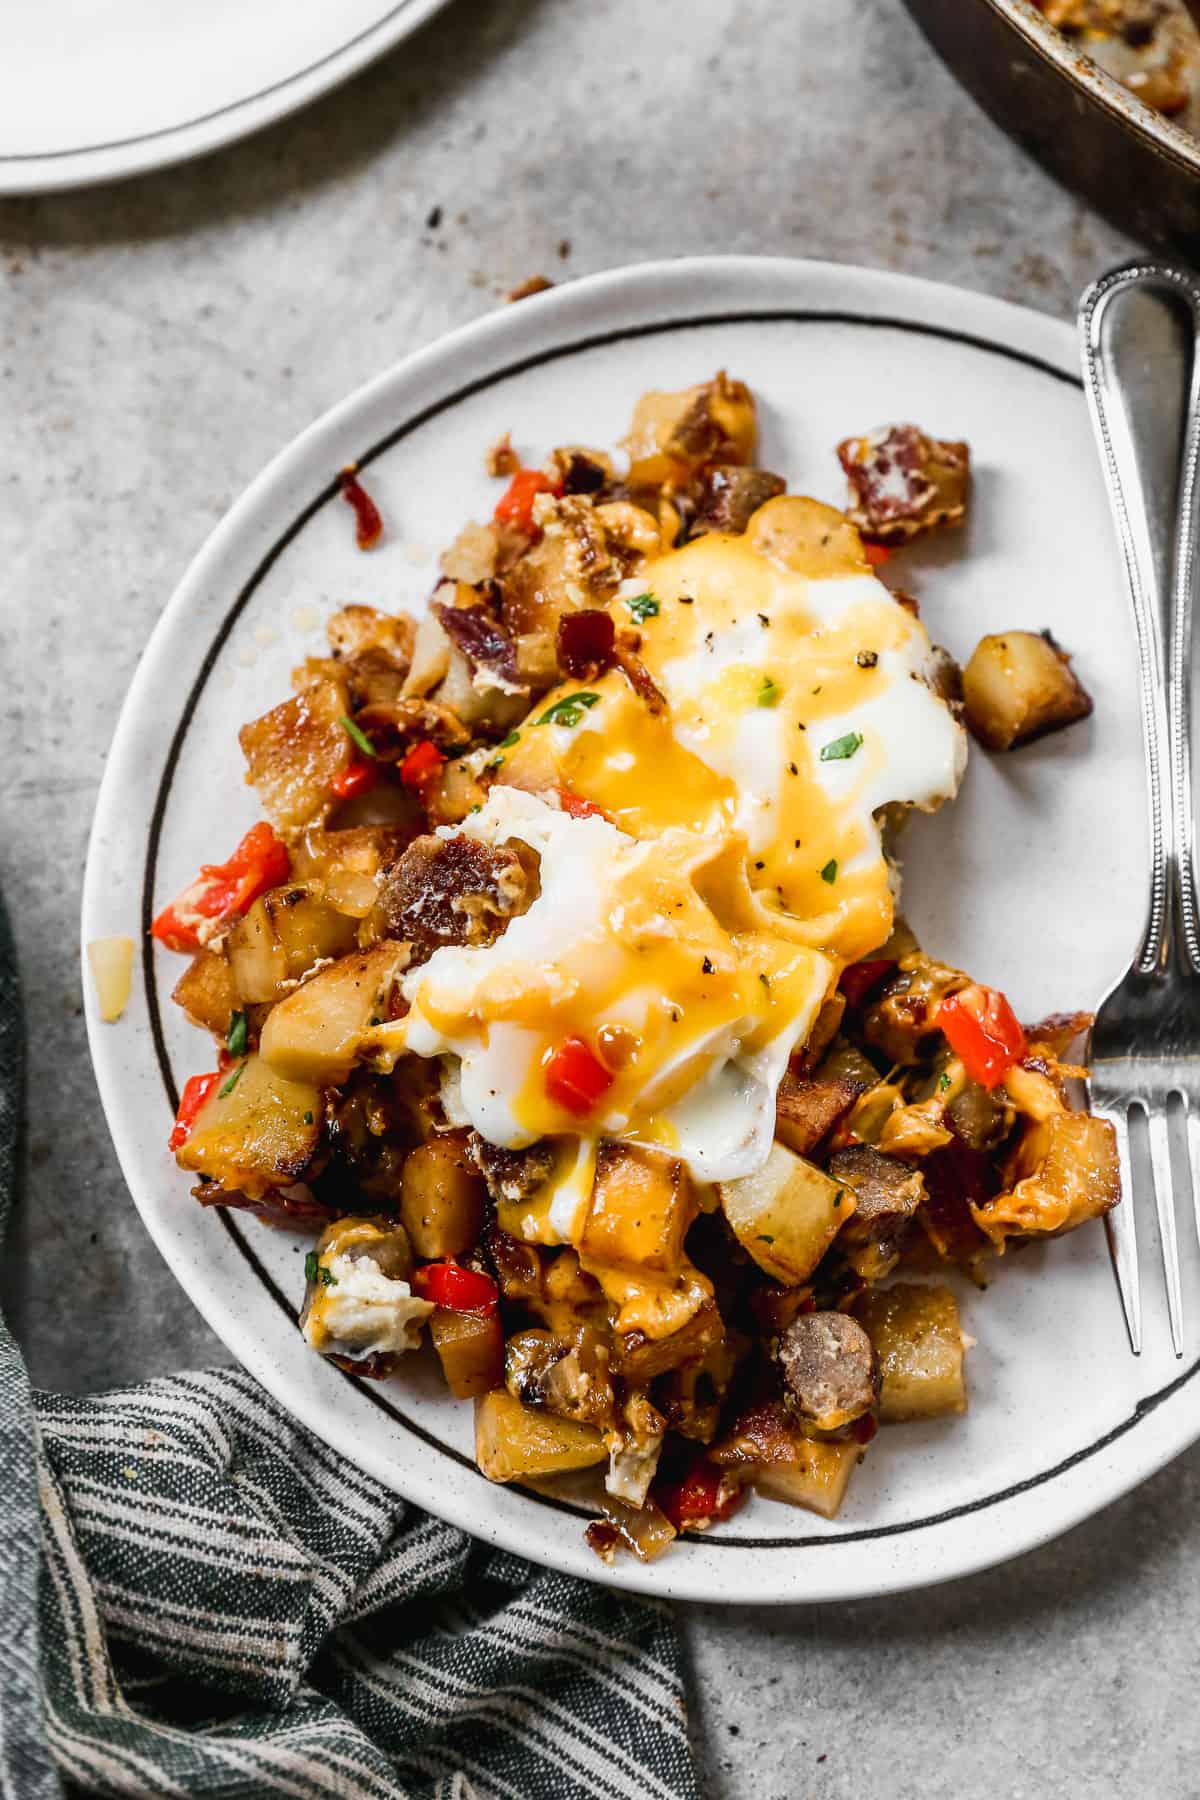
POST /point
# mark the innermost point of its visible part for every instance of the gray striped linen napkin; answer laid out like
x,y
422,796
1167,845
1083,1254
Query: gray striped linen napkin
x,y
197,1598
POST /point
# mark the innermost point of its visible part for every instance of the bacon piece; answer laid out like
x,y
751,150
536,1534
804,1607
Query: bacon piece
x,y
584,643
485,643
636,673
453,891
903,482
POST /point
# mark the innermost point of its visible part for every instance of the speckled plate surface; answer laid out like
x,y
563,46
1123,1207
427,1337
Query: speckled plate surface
x,y
92,93
1034,879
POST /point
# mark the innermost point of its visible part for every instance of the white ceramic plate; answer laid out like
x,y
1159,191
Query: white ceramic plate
x,y
1034,880
93,92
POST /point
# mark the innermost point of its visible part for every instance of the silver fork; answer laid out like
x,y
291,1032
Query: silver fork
x,y
1139,327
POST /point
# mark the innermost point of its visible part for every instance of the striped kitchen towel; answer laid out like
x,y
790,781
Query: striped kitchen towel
x,y
197,1598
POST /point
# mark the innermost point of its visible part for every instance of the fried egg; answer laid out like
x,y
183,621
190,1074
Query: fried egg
x,y
690,930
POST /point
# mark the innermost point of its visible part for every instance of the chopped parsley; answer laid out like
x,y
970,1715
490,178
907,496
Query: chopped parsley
x,y
768,693
316,1271
357,735
643,606
842,748
839,1196
308,1118
943,1084
514,737
762,1238
232,1082
829,872
235,1041
568,711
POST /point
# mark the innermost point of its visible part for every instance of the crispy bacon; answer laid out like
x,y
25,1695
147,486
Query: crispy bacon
x,y
484,641
454,891
585,643
903,482
625,655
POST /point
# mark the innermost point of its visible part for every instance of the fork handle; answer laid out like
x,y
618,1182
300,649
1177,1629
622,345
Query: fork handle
x,y
1139,327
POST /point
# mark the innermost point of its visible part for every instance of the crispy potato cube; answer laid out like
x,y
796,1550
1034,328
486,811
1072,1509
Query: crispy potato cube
x,y
808,1106
787,1214
919,1344
1019,685
804,535
315,1034
206,992
674,435
780,1460
519,1443
471,1350
294,751
347,865
442,1197
1063,1172
640,1358
254,1133
642,1204
284,933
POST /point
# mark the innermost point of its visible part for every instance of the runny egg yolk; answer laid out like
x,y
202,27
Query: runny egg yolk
x,y
646,952
799,703
687,935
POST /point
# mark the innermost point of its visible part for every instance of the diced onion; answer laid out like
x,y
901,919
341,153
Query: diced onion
x,y
111,962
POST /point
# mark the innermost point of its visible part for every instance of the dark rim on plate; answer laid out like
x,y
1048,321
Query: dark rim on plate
x,y
790,316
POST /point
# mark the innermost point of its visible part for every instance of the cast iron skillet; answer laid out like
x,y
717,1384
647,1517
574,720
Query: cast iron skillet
x,y
1136,167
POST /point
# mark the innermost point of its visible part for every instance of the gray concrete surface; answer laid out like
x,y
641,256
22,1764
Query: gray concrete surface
x,y
160,340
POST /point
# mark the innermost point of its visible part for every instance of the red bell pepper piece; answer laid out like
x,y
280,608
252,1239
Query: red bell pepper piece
x,y
457,1289
982,1029
515,505
196,1090
421,764
877,554
578,807
576,1079
859,979
359,777
368,525
223,890
697,1497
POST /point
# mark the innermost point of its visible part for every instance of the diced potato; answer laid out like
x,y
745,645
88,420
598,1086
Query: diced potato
x,y
471,1350
780,1460
294,751
316,1033
518,1443
919,1343
254,1133
806,1107
640,1358
1063,1172
1018,686
673,435
442,1197
646,1530
206,992
642,1204
347,865
787,1214
807,537
284,933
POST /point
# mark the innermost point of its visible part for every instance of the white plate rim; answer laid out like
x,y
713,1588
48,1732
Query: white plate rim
x,y
54,171
632,301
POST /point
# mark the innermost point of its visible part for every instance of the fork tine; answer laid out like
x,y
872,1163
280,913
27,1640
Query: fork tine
x,y
1120,1228
1192,1121
1164,1200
